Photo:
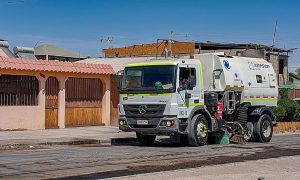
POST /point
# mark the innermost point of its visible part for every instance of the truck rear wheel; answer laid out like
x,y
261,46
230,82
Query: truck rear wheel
x,y
198,133
263,129
146,140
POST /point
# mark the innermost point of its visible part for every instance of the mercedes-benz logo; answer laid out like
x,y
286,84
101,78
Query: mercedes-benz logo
x,y
143,109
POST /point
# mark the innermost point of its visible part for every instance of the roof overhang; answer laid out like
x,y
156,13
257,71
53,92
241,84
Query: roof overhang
x,y
19,64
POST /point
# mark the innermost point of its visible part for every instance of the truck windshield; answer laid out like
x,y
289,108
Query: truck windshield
x,y
149,78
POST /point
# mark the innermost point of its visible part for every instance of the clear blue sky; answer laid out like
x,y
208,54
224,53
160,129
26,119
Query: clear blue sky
x,y
78,25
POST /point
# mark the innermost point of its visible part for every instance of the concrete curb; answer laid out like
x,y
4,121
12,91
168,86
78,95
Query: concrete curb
x,y
105,142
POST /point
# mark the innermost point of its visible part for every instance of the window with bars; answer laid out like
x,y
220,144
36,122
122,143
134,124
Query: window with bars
x,y
16,90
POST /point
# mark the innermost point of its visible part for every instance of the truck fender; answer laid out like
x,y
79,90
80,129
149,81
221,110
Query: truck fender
x,y
264,110
201,110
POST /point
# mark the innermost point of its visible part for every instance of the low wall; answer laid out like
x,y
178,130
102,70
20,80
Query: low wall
x,y
22,117
287,127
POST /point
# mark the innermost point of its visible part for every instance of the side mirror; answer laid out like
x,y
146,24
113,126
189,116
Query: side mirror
x,y
179,89
119,86
117,81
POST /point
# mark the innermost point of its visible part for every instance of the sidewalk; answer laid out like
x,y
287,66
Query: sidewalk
x,y
103,135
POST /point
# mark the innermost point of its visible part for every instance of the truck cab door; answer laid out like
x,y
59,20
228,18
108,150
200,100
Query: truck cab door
x,y
188,94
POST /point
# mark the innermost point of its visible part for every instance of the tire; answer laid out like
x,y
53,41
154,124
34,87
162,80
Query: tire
x,y
249,135
263,129
146,140
198,133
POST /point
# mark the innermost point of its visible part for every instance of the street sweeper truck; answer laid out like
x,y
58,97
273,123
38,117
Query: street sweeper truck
x,y
199,96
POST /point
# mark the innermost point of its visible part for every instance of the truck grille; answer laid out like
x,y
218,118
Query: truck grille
x,y
151,110
143,126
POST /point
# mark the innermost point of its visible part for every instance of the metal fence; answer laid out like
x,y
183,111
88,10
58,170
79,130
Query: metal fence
x,y
83,89
16,90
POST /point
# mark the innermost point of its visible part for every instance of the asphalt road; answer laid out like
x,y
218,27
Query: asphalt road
x,y
92,162
286,168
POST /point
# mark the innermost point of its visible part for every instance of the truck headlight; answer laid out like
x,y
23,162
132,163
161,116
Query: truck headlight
x,y
168,123
122,122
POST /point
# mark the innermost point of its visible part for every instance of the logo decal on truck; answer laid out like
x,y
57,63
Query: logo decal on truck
x,y
257,66
143,109
226,65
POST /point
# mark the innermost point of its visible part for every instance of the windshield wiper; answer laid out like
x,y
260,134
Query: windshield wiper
x,y
150,89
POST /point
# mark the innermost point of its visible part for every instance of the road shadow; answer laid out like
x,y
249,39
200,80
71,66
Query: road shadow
x,y
159,142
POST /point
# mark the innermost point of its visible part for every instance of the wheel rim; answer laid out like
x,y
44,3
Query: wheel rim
x,y
266,127
201,130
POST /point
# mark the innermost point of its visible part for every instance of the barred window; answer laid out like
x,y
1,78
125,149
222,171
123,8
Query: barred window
x,y
16,90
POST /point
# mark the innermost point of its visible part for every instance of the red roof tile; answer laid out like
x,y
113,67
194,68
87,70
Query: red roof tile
x,y
54,66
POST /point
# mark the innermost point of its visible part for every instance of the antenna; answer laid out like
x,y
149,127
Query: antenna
x,y
108,40
171,33
274,34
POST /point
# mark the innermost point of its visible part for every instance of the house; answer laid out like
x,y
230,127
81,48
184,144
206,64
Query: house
x,y
294,82
38,94
277,56
294,79
293,86
53,52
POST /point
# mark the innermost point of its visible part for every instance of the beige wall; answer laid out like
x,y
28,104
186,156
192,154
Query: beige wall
x,y
25,117
22,117
33,117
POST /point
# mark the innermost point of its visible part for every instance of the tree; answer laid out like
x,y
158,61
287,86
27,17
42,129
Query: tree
x,y
287,109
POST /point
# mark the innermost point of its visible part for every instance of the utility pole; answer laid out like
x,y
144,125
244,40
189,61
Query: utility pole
x,y
274,34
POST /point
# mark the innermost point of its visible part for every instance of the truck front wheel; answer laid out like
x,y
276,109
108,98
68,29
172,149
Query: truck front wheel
x,y
198,133
263,129
146,140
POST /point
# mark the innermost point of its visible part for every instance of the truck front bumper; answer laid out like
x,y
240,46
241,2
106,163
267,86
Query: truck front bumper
x,y
155,126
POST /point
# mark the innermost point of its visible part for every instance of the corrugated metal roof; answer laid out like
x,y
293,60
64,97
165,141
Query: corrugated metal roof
x,y
48,49
118,63
213,45
54,66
